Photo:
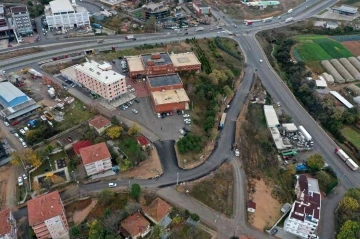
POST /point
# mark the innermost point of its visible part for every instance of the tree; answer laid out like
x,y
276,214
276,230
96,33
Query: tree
x,y
105,196
134,129
74,231
349,204
176,220
29,157
315,162
228,91
324,180
354,193
96,230
125,164
149,25
114,132
132,207
114,120
15,158
349,230
135,190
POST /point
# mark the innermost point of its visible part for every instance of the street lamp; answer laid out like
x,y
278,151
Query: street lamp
x,y
177,178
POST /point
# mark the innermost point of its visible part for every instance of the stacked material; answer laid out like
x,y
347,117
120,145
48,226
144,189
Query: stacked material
x,y
332,71
329,78
342,71
351,69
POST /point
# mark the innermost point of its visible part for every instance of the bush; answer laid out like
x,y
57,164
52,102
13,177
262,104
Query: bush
x,y
189,143
195,217
135,191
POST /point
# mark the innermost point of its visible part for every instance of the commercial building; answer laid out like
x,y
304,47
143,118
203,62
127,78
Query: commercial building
x,y
21,20
15,103
157,10
270,116
135,226
305,212
96,158
6,26
345,10
47,216
167,93
201,8
8,225
162,63
100,124
62,14
100,79
158,212
342,99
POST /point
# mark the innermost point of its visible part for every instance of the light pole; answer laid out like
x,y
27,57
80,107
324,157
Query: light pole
x,y
177,178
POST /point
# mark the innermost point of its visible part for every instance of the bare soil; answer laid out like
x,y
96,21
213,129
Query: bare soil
x,y
267,208
147,169
352,46
16,53
79,216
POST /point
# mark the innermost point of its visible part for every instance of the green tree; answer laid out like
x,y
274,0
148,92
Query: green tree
x,y
96,230
114,132
349,204
324,180
106,196
315,162
349,230
228,91
125,164
74,231
135,190
354,193
134,130
149,25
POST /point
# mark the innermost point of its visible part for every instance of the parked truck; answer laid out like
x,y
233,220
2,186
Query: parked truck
x,y
197,29
51,92
290,19
305,133
346,159
290,152
130,37
222,121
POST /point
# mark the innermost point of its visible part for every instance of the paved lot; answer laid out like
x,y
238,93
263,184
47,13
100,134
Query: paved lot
x,y
167,128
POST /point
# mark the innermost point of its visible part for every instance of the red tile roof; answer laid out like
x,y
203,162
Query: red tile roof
x,y
44,207
99,122
135,224
252,205
81,144
158,209
94,153
143,140
4,225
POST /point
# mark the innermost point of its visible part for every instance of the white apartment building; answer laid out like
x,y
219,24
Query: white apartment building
x,y
96,158
21,20
7,225
62,14
305,212
100,79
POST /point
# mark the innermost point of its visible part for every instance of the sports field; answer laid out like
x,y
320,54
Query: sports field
x,y
318,48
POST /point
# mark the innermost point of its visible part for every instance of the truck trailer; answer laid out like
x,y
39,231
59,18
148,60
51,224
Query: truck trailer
x,y
305,133
199,29
130,37
349,162
222,121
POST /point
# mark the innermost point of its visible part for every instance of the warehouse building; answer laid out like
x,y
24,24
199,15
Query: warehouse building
x,y
162,63
201,8
345,10
62,14
167,93
15,103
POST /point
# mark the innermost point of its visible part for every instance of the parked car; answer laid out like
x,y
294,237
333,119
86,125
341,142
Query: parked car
x,y
26,129
129,86
135,111
182,131
22,131
6,123
24,144
21,140
20,181
158,115
16,135
186,115
24,176
180,112
112,185
137,100
187,120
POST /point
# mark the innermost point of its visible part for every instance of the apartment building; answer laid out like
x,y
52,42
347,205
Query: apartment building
x,y
21,20
62,14
100,79
305,212
47,216
156,10
96,158
7,225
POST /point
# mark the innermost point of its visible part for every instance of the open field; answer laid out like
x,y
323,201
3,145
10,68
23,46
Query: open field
x,y
352,135
318,48
352,46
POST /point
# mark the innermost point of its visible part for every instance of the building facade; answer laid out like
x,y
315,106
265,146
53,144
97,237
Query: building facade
x,y
100,80
201,8
157,10
47,217
62,14
8,225
96,158
21,20
305,212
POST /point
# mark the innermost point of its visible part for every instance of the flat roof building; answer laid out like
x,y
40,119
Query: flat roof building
x,y
342,99
21,19
62,14
345,10
201,8
160,82
170,100
271,116
157,10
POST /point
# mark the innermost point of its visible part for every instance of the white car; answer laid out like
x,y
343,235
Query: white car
x,y
158,115
135,111
24,176
186,115
261,60
278,104
26,129
22,131
24,144
20,181
6,123
21,139
237,153
182,131
112,185
187,120
16,135
129,86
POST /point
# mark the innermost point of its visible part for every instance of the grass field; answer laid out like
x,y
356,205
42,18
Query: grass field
x,y
318,48
352,135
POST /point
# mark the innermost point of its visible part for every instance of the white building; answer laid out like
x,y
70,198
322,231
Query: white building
x,y
271,116
305,212
21,20
62,14
96,158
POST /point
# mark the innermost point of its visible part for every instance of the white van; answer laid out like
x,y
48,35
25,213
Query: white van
x,y
112,185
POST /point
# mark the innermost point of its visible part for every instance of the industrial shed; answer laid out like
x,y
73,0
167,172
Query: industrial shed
x,y
342,99
331,70
348,66
329,78
354,89
342,71
355,62
271,116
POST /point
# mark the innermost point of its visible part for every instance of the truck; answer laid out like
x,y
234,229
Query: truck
x,y
236,150
290,19
222,121
291,152
51,92
305,133
248,23
290,11
130,37
199,29
346,159
96,25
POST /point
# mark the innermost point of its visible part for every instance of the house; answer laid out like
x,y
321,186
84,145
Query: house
x,y
47,216
100,124
81,144
7,225
158,212
251,207
136,226
96,158
142,140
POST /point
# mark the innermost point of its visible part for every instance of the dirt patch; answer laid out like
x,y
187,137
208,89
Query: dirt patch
x,y
149,168
79,216
352,46
16,53
4,176
78,205
267,208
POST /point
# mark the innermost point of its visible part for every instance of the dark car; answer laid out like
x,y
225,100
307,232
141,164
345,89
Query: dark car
x,y
186,33
274,231
120,57
163,115
186,129
64,84
137,100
